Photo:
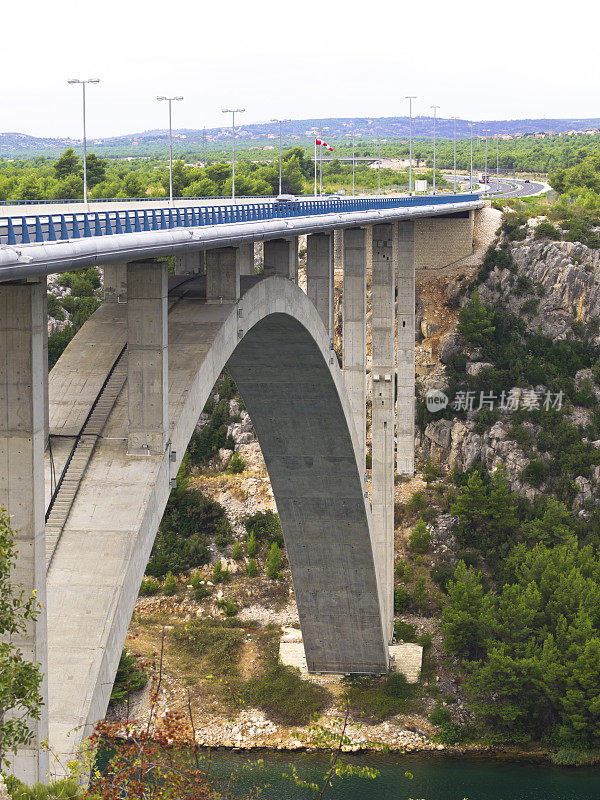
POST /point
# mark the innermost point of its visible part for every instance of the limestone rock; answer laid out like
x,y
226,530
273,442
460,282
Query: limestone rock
x,y
450,344
428,328
475,367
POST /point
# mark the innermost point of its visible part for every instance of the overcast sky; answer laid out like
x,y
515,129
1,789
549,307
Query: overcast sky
x,y
478,60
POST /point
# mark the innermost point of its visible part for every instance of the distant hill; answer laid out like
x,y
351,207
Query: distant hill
x,y
153,142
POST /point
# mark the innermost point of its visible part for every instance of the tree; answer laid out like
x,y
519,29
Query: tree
x,y
95,169
274,562
20,680
475,321
67,164
462,620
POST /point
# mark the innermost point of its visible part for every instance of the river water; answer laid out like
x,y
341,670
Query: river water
x,y
434,778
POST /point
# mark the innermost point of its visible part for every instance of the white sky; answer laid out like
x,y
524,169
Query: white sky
x,y
476,59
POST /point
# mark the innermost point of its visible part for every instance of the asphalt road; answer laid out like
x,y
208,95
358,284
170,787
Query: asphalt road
x,y
515,188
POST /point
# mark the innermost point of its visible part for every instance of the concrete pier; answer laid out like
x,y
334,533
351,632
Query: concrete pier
x,y
222,275
319,275
189,263
245,255
405,403
382,426
338,250
354,316
23,393
278,258
148,361
115,282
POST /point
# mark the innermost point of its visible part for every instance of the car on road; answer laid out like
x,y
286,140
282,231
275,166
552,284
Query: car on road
x,y
286,198
526,180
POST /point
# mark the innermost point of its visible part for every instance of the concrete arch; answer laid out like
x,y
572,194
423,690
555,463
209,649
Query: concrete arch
x,y
277,349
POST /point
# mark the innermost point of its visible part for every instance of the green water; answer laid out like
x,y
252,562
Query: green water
x,y
434,778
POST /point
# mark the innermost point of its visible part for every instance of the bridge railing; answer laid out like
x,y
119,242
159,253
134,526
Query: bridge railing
x,y
41,228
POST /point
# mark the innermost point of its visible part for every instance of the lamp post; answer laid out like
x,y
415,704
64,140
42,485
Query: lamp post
x,y
486,131
454,118
353,135
410,98
280,121
497,165
435,108
83,83
378,143
170,100
233,112
470,124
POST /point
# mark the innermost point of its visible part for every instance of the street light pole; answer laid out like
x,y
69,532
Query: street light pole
x,y
83,83
470,124
170,100
410,98
280,121
486,131
233,112
454,118
497,167
435,108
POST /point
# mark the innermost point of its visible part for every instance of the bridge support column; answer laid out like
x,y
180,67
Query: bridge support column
x,y
281,258
382,426
338,249
405,408
354,343
23,393
222,275
245,255
319,275
189,263
147,357
115,283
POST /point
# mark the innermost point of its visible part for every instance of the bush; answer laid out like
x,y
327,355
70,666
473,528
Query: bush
x,y
405,632
220,575
440,715
442,573
274,562
236,464
421,537
545,229
130,678
229,607
201,590
376,699
401,599
214,644
251,544
266,527
170,584
236,552
284,696
252,568
149,587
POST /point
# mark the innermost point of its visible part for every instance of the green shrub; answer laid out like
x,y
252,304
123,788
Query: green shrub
x,y
229,607
376,699
431,472
420,538
405,632
220,575
130,678
236,552
266,527
441,573
401,599
213,644
417,503
284,696
545,229
149,587
440,715
236,464
223,539
369,461
403,570
252,568
201,590
65,789
251,544
170,584
274,561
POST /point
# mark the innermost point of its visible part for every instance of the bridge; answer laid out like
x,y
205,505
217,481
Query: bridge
x,y
89,453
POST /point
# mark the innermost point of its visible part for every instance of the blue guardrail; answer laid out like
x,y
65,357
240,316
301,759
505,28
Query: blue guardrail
x,y
42,228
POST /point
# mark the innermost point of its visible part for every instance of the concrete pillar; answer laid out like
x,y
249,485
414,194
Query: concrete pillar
x,y
22,396
115,282
338,249
354,340
319,275
281,258
46,400
382,426
189,263
245,255
147,349
294,259
405,406
222,275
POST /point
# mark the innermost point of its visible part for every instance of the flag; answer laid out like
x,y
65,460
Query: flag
x,y
318,141
331,148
